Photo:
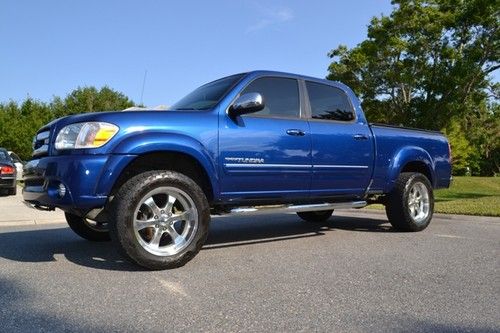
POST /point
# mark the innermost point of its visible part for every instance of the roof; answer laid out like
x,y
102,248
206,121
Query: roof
x,y
298,76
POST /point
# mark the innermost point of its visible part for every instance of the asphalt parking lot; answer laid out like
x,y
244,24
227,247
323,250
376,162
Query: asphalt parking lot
x,y
265,273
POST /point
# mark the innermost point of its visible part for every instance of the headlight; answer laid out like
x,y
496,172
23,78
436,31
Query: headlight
x,y
85,135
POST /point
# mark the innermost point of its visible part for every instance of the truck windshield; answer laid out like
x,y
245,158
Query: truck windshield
x,y
208,95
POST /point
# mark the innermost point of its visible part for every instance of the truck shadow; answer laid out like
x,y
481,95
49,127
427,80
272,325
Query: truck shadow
x,y
57,244
236,231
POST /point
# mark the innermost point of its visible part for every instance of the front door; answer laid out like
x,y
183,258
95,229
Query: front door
x,y
267,154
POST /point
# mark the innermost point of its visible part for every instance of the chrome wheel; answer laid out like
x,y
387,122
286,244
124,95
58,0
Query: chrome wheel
x,y
418,202
165,221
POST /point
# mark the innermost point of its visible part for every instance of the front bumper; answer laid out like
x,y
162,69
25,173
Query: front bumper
x,y
87,179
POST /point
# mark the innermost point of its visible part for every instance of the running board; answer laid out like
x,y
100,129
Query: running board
x,y
295,208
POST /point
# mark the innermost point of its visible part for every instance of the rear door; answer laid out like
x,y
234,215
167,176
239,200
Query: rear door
x,y
342,151
267,154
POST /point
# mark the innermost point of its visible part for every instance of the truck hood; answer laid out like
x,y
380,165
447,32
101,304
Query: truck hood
x,y
121,118
135,123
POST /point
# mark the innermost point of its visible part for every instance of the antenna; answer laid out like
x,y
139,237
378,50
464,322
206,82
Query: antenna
x,y
143,84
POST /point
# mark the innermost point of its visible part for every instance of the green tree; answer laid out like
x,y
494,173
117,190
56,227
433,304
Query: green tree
x,y
20,122
462,151
89,99
482,127
428,64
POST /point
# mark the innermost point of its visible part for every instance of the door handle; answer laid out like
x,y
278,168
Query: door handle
x,y
360,137
295,132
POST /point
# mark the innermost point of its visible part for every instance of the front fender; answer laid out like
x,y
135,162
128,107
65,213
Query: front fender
x,y
143,143
404,156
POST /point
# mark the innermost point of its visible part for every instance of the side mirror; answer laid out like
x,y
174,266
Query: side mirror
x,y
247,103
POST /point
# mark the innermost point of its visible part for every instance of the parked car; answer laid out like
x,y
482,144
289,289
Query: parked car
x,y
249,143
7,173
19,163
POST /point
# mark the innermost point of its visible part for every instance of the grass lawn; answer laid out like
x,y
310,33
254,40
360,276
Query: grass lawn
x,y
468,196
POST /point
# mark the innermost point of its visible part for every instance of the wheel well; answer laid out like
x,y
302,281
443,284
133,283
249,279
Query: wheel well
x,y
420,167
173,161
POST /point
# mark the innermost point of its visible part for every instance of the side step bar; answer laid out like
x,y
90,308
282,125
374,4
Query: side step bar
x,y
295,208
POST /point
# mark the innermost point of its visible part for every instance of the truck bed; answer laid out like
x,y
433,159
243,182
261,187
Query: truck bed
x,y
389,139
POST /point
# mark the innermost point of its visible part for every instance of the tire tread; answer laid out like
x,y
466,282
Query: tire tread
x,y
396,205
78,226
122,205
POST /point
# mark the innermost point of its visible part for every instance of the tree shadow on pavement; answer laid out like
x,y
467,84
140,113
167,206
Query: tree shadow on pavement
x,y
25,310
19,314
43,245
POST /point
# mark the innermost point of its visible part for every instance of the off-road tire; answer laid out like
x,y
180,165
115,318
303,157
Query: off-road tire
x,y
316,217
123,206
397,203
83,229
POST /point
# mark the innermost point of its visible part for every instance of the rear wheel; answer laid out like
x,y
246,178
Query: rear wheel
x,y
316,217
160,220
410,205
85,228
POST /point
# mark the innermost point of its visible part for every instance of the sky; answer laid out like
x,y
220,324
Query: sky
x,y
48,48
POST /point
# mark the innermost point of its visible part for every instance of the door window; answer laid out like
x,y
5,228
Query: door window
x,y
328,102
281,96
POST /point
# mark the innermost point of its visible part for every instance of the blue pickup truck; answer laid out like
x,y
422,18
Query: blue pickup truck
x,y
249,143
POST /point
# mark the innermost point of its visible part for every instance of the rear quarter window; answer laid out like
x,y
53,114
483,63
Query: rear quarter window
x,y
329,102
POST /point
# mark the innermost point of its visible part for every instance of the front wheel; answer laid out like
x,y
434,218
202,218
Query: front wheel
x,y
160,219
90,230
410,205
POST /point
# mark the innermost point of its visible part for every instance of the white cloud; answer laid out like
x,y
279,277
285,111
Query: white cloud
x,y
270,16
284,14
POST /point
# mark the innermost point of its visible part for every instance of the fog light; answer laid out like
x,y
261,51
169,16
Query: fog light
x,y
61,190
